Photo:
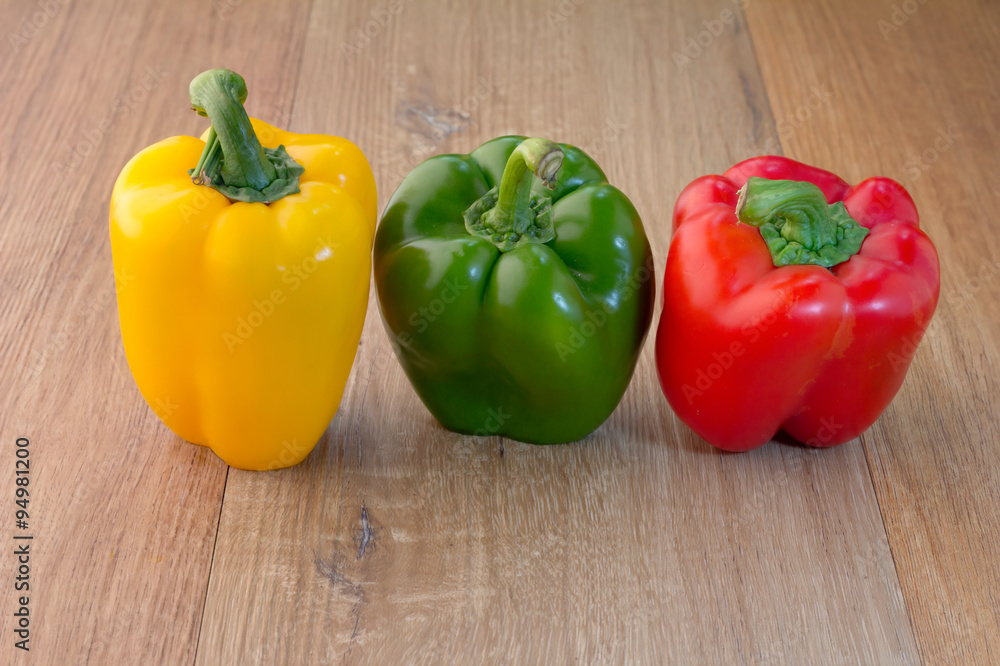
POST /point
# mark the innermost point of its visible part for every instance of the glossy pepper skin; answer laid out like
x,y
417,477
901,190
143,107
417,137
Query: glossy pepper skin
x,y
536,343
745,349
240,320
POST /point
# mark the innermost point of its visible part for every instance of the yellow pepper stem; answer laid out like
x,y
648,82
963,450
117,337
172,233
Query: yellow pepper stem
x,y
234,162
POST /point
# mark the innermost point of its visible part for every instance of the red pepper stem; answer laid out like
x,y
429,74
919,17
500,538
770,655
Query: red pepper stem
x,y
797,223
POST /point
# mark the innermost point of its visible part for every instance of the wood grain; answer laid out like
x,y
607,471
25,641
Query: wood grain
x,y
124,515
639,544
915,97
397,541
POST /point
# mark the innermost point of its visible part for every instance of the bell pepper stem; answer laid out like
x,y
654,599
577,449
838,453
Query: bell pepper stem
x,y
797,223
233,161
509,215
219,94
532,157
210,159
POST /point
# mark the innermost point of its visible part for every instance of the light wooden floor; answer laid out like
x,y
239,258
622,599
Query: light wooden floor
x,y
397,542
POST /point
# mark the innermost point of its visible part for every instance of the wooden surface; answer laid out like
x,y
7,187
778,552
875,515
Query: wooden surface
x,y
398,542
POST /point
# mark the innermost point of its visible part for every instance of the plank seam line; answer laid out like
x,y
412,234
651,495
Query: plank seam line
x,y
760,77
888,541
211,567
225,484
864,448
298,70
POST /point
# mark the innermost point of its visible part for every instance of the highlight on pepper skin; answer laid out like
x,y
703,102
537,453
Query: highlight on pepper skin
x,y
792,302
516,276
249,253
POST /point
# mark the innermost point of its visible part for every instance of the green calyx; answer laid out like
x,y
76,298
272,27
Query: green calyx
x,y
510,215
797,223
234,162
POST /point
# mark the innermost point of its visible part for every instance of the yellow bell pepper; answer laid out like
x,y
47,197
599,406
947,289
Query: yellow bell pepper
x,y
245,285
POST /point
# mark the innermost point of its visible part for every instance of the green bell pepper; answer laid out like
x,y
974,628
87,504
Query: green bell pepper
x,y
516,305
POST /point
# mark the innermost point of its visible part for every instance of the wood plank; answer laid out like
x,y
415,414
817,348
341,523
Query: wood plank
x,y
123,513
399,542
914,97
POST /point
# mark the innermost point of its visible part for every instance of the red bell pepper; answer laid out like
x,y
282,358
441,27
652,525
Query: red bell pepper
x,y
785,309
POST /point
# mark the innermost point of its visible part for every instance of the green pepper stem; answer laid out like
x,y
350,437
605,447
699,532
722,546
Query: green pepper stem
x,y
509,215
219,94
797,223
532,157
